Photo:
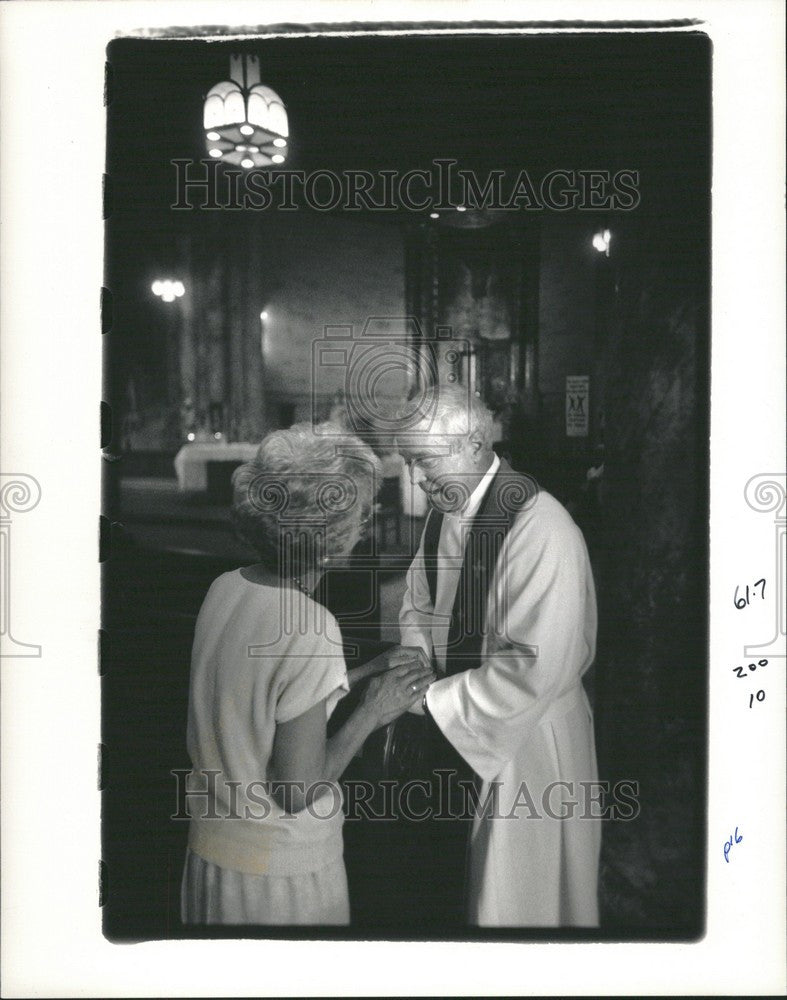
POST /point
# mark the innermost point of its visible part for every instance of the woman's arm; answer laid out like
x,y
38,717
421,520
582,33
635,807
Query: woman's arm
x,y
394,657
302,755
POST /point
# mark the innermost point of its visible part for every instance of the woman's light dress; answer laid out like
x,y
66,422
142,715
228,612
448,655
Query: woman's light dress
x,y
262,655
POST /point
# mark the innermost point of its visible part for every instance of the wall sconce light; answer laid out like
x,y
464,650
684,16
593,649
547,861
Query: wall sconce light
x,y
168,290
602,240
245,122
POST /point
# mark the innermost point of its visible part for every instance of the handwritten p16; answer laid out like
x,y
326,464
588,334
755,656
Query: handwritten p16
x,y
729,843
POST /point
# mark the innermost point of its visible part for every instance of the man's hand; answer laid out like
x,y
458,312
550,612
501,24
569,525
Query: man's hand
x,y
405,654
397,656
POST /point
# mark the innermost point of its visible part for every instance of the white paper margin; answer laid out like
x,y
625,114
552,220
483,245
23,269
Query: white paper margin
x,y
51,244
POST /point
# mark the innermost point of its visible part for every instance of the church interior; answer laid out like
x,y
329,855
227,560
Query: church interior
x,y
579,312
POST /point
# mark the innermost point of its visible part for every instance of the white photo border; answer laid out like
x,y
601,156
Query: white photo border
x,y
52,246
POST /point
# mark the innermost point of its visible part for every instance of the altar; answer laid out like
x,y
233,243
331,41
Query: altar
x,y
193,460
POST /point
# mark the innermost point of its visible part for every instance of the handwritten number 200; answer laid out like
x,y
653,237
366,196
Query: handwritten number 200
x,y
752,667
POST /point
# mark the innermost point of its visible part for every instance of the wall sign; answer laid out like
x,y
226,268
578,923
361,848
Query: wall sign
x,y
577,405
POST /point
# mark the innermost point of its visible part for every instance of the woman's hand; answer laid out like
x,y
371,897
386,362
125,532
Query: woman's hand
x,y
389,695
394,657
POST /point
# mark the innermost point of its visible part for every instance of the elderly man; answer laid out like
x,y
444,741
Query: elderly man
x,y
500,598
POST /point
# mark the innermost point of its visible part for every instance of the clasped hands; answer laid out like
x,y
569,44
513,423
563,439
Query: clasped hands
x,y
399,679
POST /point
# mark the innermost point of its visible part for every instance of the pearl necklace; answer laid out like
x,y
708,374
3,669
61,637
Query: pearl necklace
x,y
301,586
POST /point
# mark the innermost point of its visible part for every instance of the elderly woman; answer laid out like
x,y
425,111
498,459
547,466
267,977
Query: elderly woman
x,y
265,836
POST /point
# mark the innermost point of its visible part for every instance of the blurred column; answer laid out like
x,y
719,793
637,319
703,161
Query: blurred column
x,y
188,310
252,352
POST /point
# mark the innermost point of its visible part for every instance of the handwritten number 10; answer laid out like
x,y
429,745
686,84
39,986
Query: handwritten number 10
x,y
738,671
742,602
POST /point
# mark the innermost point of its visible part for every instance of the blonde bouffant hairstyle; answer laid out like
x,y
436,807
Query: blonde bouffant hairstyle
x,y
304,495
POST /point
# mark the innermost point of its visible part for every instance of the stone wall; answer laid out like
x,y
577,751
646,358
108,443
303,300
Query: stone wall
x,y
324,271
228,368
651,560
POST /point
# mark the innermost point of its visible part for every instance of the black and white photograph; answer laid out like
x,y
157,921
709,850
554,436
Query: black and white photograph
x,y
396,602
405,597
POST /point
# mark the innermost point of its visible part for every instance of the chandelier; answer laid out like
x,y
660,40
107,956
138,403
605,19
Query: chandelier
x,y
168,290
245,122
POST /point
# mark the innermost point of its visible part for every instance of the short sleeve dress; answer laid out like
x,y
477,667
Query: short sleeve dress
x,y
262,655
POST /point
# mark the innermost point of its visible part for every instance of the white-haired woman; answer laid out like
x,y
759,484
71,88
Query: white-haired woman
x,y
265,835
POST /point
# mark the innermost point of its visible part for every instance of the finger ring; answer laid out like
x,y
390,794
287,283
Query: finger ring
x,y
413,687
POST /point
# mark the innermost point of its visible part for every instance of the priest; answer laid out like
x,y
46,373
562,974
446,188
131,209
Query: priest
x,y
500,598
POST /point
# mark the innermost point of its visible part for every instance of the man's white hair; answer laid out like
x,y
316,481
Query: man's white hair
x,y
454,411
